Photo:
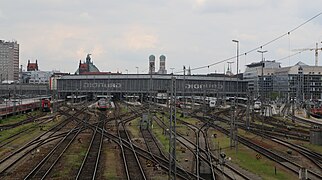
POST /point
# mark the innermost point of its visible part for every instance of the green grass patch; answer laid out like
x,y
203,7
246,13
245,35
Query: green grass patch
x,y
313,147
17,118
111,171
263,167
134,128
72,159
33,132
246,158
6,133
158,131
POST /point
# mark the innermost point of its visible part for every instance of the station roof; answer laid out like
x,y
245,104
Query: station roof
x,y
146,76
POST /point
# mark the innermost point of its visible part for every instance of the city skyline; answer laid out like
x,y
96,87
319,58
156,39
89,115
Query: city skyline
x,y
192,33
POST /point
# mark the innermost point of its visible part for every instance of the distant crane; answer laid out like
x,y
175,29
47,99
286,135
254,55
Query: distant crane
x,y
316,49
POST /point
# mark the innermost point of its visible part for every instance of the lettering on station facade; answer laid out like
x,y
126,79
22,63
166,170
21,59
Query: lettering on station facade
x,y
102,85
204,86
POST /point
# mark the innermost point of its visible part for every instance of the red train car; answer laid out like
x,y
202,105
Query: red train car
x,y
45,105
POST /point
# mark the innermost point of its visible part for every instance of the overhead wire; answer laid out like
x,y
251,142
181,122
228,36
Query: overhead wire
x,y
259,47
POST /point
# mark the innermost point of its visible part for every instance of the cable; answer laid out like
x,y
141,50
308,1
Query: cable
x,y
260,47
289,56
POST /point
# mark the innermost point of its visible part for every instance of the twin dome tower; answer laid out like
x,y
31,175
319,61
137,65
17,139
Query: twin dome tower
x,y
162,69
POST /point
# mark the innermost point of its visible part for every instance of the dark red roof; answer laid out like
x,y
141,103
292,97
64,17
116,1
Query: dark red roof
x,y
83,66
32,66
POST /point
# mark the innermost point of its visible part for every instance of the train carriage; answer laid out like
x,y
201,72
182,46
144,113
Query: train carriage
x,y
45,105
103,104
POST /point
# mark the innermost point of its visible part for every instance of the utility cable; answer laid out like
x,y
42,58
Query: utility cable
x,y
260,47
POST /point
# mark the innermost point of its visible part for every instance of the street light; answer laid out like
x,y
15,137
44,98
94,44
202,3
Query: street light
x,y
235,124
237,42
127,86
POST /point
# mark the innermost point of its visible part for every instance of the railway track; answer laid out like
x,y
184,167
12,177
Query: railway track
x,y
125,144
44,167
293,167
151,143
230,172
90,163
159,157
54,133
17,135
314,157
274,130
132,164
10,160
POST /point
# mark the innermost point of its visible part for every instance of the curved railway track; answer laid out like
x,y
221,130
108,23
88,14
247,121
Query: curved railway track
x,y
44,167
231,172
314,157
18,154
54,133
159,157
17,135
288,164
203,155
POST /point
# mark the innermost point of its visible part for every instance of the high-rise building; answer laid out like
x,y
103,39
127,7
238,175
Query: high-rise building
x,y
9,61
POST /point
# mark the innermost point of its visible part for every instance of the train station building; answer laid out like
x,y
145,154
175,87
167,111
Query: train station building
x,y
143,84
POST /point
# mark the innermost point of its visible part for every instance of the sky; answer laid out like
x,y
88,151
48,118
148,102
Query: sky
x,y
122,34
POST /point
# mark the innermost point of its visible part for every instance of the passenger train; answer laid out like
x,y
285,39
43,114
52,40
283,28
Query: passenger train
x,y
45,105
103,104
257,105
198,100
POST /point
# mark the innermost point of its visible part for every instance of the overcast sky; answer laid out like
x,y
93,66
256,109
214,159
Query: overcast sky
x,y
122,34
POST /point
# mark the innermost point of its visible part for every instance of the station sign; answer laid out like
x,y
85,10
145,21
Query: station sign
x,y
204,86
102,85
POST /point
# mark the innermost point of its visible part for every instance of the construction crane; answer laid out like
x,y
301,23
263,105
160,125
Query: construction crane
x,y
316,49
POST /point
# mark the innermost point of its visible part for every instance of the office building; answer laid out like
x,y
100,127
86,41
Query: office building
x,y
9,61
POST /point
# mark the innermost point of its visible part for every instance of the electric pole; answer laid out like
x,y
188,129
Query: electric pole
x,y
172,131
262,90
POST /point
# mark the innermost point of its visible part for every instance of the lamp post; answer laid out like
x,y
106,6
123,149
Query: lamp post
x,y
237,42
262,88
235,109
183,91
127,86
